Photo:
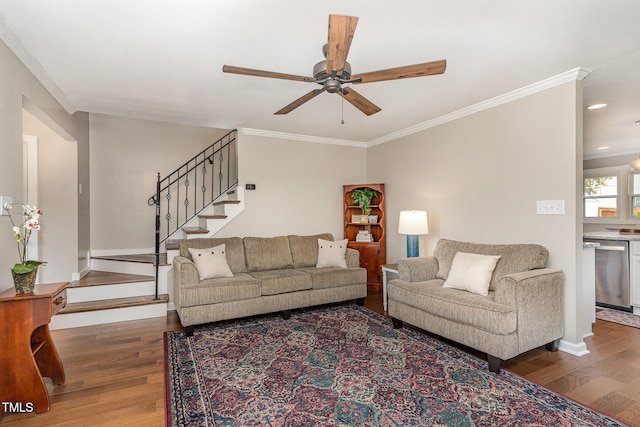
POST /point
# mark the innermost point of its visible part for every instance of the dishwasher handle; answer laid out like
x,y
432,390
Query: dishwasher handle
x,y
611,248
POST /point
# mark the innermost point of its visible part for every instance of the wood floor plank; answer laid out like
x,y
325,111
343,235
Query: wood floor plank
x,y
115,373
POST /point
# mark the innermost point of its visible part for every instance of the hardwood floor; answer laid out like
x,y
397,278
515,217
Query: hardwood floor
x,y
115,373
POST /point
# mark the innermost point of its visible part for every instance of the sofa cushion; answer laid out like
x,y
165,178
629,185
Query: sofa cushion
x,y
332,254
274,282
304,249
456,305
211,262
212,291
335,277
267,253
471,272
233,246
513,258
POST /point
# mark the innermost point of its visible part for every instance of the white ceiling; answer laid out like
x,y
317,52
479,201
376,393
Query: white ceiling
x,y
162,59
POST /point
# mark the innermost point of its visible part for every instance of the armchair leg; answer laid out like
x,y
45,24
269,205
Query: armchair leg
x,y
553,345
189,330
360,301
494,364
286,314
397,323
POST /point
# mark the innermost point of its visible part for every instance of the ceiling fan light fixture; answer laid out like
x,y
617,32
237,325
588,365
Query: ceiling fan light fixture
x,y
332,86
635,164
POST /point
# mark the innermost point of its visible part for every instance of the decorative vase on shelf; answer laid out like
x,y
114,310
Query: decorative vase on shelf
x,y
24,282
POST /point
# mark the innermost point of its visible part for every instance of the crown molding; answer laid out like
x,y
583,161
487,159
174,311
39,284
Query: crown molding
x,y
575,74
305,138
606,154
566,77
15,45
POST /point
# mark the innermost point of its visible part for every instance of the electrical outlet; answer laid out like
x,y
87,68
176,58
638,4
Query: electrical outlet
x,y
4,200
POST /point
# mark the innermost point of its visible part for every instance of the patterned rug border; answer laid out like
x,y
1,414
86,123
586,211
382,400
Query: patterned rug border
x,y
511,379
617,316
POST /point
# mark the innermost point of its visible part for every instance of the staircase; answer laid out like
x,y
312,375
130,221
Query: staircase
x,y
128,285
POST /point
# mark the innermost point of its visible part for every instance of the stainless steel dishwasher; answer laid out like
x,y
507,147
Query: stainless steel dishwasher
x,y
612,274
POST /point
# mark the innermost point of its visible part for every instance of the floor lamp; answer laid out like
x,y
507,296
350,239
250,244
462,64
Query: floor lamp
x,y
413,224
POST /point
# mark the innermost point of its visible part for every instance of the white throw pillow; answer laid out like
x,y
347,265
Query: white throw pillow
x,y
471,272
332,254
211,262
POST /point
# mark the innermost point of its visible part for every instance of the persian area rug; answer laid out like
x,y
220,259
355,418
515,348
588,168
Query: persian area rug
x,y
346,366
618,316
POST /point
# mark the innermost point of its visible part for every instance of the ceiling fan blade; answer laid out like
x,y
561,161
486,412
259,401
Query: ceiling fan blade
x,y
341,30
417,70
298,102
261,73
359,101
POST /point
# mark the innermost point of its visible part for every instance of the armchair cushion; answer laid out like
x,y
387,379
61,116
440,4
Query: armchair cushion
x,y
452,305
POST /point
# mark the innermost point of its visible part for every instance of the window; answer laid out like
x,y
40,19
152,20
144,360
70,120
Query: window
x,y
612,195
601,196
634,192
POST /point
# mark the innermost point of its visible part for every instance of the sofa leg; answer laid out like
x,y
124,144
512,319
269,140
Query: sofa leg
x,y
553,345
494,364
189,330
360,301
286,314
397,323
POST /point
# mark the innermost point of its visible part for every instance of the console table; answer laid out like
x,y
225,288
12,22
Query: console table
x,y
27,352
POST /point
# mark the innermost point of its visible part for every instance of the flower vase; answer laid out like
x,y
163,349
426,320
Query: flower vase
x,y
24,282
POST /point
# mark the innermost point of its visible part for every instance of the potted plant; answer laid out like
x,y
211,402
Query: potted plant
x,y
24,273
362,197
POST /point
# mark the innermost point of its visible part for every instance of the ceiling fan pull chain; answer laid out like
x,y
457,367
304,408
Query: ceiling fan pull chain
x,y
342,121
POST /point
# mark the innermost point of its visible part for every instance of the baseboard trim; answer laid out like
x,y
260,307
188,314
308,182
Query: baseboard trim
x,y
107,252
579,349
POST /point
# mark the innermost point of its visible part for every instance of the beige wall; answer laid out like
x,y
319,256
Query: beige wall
x,y
126,156
58,199
479,178
18,89
298,186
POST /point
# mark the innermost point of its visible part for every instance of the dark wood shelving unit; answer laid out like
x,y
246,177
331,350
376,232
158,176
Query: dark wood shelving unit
x,y
372,254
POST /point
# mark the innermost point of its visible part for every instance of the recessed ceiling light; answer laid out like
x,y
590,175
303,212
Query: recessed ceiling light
x,y
638,122
596,106
602,148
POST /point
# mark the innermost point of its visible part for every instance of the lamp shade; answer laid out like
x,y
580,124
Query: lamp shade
x,y
413,223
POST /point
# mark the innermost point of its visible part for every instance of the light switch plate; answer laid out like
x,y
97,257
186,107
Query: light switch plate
x,y
4,200
550,207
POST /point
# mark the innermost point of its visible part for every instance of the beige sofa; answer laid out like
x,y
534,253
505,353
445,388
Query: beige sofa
x,y
270,274
524,308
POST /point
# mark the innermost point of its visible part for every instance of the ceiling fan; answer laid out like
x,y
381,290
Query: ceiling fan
x,y
335,71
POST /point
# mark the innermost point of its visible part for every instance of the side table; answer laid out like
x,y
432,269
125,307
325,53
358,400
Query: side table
x,y
387,268
27,351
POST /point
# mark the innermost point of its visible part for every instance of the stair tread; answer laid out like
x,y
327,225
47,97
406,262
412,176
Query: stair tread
x,y
98,278
213,216
195,230
226,202
172,244
80,307
139,258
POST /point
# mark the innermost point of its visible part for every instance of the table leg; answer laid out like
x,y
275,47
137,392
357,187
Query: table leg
x,y
384,289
